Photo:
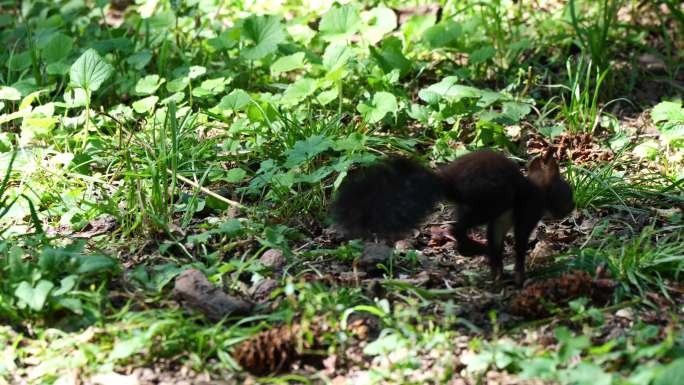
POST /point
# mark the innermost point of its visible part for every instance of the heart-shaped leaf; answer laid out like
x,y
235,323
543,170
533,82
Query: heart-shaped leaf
x,y
34,297
89,71
383,103
340,23
262,34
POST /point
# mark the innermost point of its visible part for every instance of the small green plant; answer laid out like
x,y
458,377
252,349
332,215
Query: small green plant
x,y
580,107
593,32
650,257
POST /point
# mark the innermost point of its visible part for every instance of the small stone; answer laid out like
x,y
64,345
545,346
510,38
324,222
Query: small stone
x,y
273,259
261,291
373,255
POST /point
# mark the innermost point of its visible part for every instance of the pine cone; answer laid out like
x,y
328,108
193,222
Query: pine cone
x,y
534,301
268,351
580,148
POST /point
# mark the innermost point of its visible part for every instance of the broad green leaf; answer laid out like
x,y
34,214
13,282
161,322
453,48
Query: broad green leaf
x,y
389,56
415,27
336,56
73,304
672,374
9,93
58,48
235,175
449,90
75,97
262,35
126,348
196,71
669,112
385,344
288,63
379,22
304,150
328,96
299,90
148,85
443,34
340,23
89,71
140,59
59,68
383,103
210,87
481,55
178,84
19,61
234,101
66,285
515,110
588,374
145,104
34,297
89,264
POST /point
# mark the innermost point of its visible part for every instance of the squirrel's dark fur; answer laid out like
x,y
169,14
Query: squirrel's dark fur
x,y
392,196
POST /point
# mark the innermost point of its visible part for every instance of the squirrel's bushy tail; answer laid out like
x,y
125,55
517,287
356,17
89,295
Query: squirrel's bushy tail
x,y
387,198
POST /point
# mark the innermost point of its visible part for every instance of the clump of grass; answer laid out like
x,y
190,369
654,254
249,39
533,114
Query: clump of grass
x,y
640,259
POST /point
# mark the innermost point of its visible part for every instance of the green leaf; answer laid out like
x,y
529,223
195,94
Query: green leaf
x,y
672,374
140,59
234,101
89,264
148,85
481,55
210,87
379,22
304,150
196,71
390,57
235,175
58,48
66,285
383,104
449,90
89,71
299,90
443,34
414,28
552,131
9,93
126,348
288,63
336,56
262,34
58,68
145,104
340,23
178,84
76,97
515,111
588,374
385,344
34,297
669,112
328,96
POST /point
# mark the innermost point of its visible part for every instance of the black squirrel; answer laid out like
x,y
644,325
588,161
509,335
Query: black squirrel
x,y
392,196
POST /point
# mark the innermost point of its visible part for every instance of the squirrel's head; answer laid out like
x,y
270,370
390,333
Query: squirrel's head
x,y
544,173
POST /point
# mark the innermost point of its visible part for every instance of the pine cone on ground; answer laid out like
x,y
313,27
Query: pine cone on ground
x,y
268,351
535,300
580,148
